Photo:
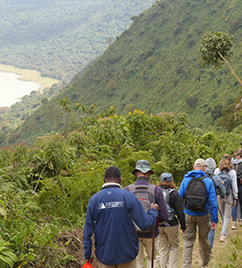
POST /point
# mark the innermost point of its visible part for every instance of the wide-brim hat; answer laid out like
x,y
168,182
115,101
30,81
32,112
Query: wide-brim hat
x,y
142,166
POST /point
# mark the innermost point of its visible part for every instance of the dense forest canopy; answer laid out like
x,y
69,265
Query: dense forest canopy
x,y
59,37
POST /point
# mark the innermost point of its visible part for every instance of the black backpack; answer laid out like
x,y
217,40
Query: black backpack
x,y
171,211
196,194
226,180
146,196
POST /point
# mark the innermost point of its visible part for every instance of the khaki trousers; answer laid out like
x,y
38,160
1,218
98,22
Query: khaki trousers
x,y
168,244
204,226
147,243
131,264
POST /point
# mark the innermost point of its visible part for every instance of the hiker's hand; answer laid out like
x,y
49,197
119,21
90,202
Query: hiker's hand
x,y
214,226
90,259
183,232
155,206
234,202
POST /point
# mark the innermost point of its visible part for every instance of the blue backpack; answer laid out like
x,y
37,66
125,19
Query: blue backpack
x,y
226,180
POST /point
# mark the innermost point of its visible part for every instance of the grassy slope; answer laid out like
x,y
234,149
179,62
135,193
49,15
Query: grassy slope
x,y
154,66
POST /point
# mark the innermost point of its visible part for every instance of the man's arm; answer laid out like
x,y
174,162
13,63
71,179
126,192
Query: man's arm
x,y
144,220
212,198
87,235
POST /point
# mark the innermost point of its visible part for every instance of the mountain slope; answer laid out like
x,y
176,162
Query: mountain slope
x,y
58,38
154,66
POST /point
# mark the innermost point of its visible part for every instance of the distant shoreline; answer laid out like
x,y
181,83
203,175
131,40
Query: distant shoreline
x,y
15,83
29,75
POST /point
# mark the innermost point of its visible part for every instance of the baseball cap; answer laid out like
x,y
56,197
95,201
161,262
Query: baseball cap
x,y
143,166
166,176
200,163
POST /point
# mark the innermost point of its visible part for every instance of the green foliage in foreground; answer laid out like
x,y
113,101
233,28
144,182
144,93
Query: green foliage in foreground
x,y
46,188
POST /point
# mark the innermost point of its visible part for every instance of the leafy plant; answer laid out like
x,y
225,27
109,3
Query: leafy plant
x,y
7,256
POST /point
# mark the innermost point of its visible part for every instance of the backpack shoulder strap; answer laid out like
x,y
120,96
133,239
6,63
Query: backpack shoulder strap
x,y
152,188
131,187
171,190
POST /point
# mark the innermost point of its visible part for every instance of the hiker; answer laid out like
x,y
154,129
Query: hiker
x,y
142,171
197,214
168,240
225,170
109,216
237,164
219,188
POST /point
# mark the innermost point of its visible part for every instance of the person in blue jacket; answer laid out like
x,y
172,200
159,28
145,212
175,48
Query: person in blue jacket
x,y
200,219
109,216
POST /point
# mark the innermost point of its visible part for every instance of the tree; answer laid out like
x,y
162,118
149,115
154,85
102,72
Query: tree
x,y
216,49
109,40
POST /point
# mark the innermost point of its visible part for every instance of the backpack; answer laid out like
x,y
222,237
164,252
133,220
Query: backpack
x,y
146,196
215,187
226,180
171,211
195,197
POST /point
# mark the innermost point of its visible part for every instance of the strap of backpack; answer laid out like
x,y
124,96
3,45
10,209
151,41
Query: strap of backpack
x,y
131,188
152,188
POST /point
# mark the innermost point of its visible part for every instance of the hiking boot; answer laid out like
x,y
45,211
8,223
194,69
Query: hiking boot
x,y
234,226
223,238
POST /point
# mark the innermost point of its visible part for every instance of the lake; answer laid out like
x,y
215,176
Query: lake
x,y
12,89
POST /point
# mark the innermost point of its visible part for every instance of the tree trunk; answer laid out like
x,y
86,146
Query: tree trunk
x,y
232,71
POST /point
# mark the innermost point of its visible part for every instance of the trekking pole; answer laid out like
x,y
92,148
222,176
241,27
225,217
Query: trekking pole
x,y
153,247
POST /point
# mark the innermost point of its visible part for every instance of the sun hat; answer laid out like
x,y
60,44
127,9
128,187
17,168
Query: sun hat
x,y
143,166
166,176
200,163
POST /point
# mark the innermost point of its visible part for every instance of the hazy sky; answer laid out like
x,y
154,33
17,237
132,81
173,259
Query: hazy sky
x,y
11,88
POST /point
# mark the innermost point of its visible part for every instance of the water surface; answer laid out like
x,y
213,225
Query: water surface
x,y
12,89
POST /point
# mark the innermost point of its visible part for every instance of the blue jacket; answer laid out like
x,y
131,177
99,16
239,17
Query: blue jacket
x,y
211,195
109,214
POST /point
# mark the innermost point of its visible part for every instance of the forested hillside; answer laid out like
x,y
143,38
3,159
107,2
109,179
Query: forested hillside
x,y
155,66
59,37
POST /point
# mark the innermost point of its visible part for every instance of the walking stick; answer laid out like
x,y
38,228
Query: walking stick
x,y
153,247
